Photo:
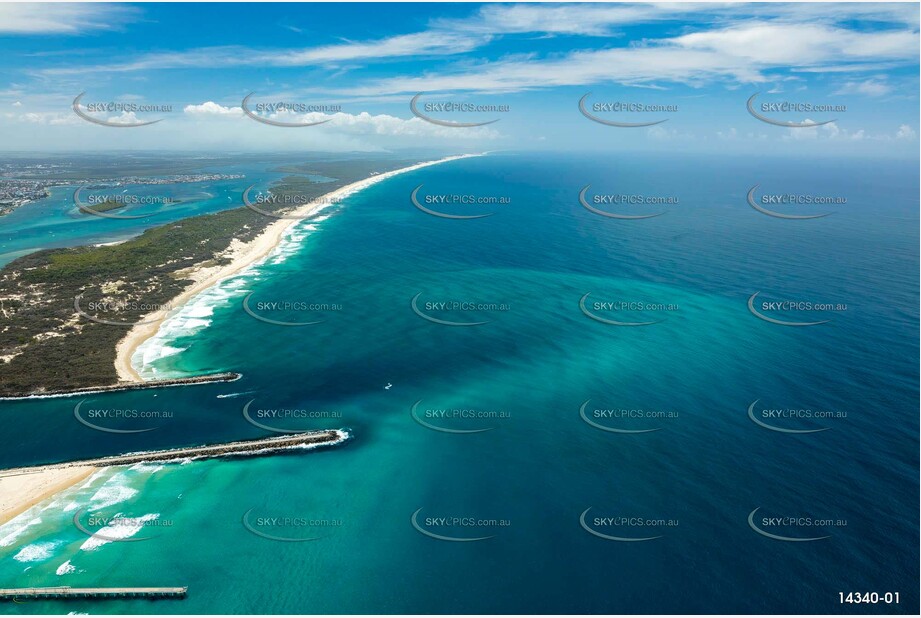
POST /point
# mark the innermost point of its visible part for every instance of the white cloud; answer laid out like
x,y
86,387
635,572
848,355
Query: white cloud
x,y
47,118
906,132
739,53
406,45
832,131
745,40
602,19
566,19
210,108
801,45
361,124
625,65
873,87
62,18
125,118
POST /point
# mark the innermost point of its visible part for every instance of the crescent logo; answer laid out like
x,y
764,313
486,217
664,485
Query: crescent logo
x,y
611,123
754,312
441,537
442,429
611,429
771,213
612,215
272,537
608,537
253,207
87,532
751,415
751,524
780,123
418,312
87,209
106,123
252,421
247,309
275,123
444,123
82,313
98,428
415,200
607,321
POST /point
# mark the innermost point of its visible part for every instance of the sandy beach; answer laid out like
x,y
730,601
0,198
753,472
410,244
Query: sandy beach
x,y
242,255
20,492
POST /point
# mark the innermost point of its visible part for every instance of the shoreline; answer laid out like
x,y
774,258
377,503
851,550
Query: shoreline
x,y
252,446
20,492
244,256
25,487
208,378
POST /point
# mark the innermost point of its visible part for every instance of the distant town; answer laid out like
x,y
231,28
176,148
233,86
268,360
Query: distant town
x,y
25,183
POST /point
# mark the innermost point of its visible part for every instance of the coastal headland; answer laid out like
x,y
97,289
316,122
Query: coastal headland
x,y
244,255
127,289
215,247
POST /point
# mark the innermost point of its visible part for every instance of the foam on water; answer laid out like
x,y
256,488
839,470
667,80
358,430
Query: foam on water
x,y
126,529
192,317
17,526
36,552
65,568
148,468
198,312
113,491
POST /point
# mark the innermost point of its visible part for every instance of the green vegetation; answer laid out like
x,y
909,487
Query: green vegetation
x,y
106,206
51,347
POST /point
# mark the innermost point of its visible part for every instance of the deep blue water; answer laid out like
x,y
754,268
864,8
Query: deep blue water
x,y
694,481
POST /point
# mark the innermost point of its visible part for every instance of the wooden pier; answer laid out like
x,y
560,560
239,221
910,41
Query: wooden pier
x,y
66,592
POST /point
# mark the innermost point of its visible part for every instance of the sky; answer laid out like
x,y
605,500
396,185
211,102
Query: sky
x,y
697,65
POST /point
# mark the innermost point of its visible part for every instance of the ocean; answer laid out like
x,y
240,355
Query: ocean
x,y
516,448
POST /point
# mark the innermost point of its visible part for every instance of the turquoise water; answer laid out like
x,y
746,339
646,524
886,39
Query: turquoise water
x,y
55,221
527,371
